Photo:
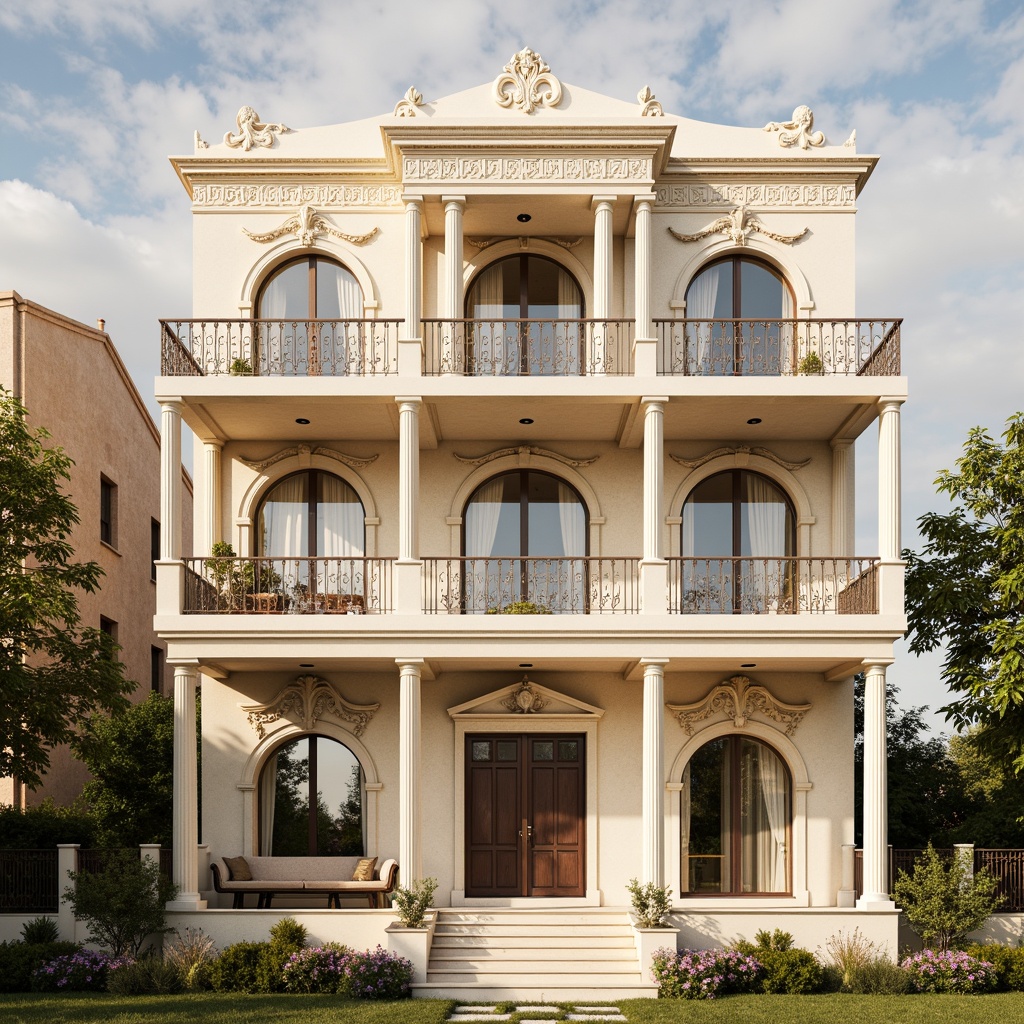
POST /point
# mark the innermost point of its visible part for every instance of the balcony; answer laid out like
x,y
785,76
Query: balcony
x,y
528,348
778,348
591,585
279,348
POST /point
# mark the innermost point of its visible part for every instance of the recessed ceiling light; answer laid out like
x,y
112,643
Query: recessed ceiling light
x,y
526,664
524,218
754,421
306,664
302,420
749,664
526,421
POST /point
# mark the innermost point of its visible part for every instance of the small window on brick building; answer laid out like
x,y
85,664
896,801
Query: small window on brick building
x,y
156,668
109,626
154,547
108,512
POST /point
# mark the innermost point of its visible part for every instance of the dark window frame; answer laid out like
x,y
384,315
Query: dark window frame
x,y
108,511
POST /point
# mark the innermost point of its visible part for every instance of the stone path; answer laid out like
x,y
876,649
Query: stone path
x,y
478,1012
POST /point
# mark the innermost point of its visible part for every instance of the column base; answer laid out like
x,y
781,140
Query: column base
x,y
875,901
186,901
846,898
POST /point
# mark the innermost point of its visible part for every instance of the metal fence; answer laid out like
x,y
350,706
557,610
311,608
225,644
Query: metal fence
x,y
28,882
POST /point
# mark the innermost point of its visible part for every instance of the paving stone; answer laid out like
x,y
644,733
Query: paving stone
x,y
597,1009
595,1016
476,1015
536,1009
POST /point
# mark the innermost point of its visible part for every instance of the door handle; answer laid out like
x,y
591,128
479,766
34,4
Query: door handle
x,y
526,832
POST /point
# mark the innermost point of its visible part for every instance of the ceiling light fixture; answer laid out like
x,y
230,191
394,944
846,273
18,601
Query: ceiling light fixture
x,y
302,420
526,421
749,664
306,664
524,218
526,664
754,421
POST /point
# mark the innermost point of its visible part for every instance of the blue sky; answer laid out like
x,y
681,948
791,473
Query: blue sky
x,y
95,94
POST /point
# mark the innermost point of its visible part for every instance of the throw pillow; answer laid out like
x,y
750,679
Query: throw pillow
x,y
364,870
239,869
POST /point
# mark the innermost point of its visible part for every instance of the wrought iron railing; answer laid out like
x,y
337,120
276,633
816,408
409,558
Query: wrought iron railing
x,y
773,348
528,347
572,586
767,586
298,586
28,882
1007,866
279,348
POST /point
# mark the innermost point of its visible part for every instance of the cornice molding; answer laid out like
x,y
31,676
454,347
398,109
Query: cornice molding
x,y
289,195
739,699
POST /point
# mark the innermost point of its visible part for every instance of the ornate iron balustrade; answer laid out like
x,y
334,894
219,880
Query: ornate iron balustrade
x,y
561,586
528,347
1007,866
279,348
778,348
773,586
297,586
28,882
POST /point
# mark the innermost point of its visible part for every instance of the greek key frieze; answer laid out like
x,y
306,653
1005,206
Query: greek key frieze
x,y
291,196
521,168
757,195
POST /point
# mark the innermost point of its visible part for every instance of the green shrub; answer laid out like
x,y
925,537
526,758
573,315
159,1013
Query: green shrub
x,y
412,903
785,970
147,976
1007,964
942,903
19,959
878,977
948,971
43,827
703,973
244,967
316,969
40,929
651,903
288,934
191,955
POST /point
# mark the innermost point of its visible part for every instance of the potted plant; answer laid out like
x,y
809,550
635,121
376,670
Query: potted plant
x,y
233,581
811,365
520,608
240,367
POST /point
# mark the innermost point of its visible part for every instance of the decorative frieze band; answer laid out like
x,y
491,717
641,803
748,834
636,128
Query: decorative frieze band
x,y
289,197
757,195
525,168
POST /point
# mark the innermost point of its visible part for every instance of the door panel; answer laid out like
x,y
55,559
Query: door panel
x,y
525,811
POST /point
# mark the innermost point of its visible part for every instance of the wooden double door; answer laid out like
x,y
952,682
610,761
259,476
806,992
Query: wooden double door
x,y
525,814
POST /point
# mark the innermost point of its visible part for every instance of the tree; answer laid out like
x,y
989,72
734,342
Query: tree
x,y
131,757
54,672
993,793
966,589
925,793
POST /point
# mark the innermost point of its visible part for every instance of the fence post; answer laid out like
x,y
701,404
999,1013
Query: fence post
x,y
67,861
847,895
964,853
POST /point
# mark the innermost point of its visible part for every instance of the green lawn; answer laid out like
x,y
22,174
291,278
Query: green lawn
x,y
210,1008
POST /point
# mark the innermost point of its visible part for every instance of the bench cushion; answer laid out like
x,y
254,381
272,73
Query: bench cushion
x,y
363,871
238,869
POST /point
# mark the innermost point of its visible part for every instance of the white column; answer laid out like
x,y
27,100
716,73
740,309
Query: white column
x,y
876,833
407,569
653,568
185,839
642,269
453,354
842,496
410,858
211,480
602,206
170,481
410,345
889,479
653,779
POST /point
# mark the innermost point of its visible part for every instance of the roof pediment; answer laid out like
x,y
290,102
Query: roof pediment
x,y
525,698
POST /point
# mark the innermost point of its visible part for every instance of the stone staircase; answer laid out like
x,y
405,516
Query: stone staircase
x,y
534,955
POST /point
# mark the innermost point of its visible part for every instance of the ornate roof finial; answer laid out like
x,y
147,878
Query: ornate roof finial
x,y
252,131
649,106
798,131
527,82
406,106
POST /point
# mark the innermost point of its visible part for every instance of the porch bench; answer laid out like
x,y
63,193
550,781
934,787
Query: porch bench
x,y
312,876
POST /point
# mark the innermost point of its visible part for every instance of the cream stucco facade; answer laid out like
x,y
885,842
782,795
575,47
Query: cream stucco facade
x,y
431,388
72,381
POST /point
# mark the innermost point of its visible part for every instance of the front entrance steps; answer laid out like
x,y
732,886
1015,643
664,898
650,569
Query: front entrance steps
x,y
534,956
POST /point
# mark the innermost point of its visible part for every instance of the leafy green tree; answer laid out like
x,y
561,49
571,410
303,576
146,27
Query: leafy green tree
x,y
941,902
44,826
54,672
993,793
131,758
965,589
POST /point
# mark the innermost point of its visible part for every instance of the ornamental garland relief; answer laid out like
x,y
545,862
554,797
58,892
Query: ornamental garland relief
x,y
739,699
757,195
305,702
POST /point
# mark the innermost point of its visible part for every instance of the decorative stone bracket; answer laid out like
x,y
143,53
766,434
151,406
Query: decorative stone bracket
x,y
739,698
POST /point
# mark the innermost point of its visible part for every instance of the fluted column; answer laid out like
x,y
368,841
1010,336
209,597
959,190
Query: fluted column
x,y
211,481
170,481
185,818
602,206
410,856
407,569
653,568
653,778
842,496
642,269
889,473
876,833
453,352
410,345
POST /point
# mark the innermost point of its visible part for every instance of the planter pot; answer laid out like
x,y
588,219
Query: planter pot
x,y
414,945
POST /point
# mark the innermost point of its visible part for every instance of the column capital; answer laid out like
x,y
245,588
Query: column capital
x,y
596,202
882,663
184,664
215,445
654,662
416,663
412,200
410,400
654,400
645,198
461,200
891,401
841,443
175,403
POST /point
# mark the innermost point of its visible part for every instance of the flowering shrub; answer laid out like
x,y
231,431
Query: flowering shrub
x,y
375,974
316,969
83,971
950,971
703,973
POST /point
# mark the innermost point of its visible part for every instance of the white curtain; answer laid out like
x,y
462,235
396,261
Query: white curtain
x,y
684,831
572,524
481,527
350,307
764,579
701,300
775,791
569,334
268,795
285,519
788,335
273,306
341,520
487,304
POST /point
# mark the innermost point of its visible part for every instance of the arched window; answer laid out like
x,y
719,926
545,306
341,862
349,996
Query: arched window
x,y
735,820
311,534
738,288
738,539
310,288
291,824
520,288
525,539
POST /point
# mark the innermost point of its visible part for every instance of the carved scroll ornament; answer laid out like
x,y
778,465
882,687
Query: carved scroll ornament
x,y
306,224
409,103
565,243
525,449
527,83
524,700
741,449
798,131
738,698
306,701
252,131
649,106
738,225
352,461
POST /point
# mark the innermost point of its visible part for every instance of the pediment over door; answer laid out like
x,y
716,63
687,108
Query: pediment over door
x,y
525,700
